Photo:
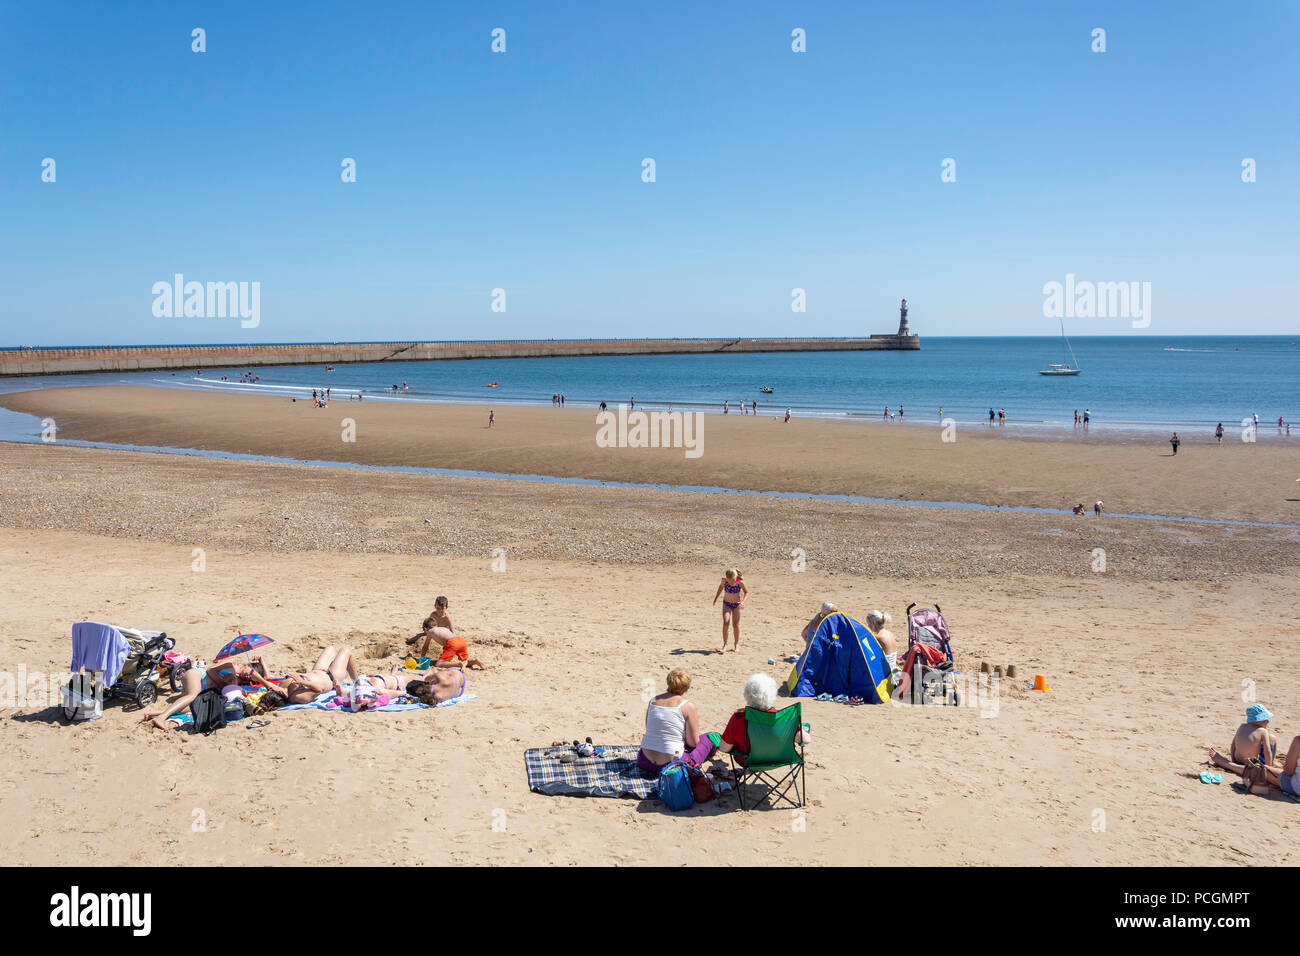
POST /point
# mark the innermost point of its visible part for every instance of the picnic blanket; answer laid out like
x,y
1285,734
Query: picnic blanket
x,y
615,774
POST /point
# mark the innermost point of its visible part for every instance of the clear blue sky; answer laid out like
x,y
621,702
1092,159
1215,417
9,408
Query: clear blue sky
x,y
522,170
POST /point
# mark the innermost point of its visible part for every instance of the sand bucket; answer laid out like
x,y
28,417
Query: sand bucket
x,y
1040,683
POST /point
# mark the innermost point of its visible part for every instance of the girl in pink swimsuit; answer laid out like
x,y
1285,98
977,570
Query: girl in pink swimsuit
x,y
737,593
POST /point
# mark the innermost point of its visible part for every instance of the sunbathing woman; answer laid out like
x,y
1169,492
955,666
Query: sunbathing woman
x,y
737,594
219,676
331,667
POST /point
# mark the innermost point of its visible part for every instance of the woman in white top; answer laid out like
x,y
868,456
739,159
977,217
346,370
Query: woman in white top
x,y
672,728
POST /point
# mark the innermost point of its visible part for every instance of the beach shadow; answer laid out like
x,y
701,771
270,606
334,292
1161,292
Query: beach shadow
x,y
725,803
50,715
682,650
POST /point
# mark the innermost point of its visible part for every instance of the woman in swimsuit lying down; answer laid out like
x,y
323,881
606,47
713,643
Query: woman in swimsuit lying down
x,y
331,667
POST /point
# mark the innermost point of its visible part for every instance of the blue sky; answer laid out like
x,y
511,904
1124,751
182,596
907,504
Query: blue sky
x,y
522,170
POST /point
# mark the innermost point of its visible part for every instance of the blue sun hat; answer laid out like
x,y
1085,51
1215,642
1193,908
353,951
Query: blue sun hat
x,y
1256,713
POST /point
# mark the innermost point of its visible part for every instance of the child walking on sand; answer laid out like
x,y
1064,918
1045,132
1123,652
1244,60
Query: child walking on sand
x,y
737,594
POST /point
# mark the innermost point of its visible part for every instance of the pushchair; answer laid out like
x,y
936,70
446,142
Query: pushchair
x,y
928,666
137,683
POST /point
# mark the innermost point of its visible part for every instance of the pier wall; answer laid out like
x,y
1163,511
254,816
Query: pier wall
x,y
148,358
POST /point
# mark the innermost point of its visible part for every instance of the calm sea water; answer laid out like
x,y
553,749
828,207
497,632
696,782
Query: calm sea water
x,y
1126,381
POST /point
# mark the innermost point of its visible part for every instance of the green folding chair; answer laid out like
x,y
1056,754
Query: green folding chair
x,y
774,759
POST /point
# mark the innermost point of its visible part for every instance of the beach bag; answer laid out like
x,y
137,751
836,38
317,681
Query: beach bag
x,y
702,787
674,786
82,699
209,711
1254,775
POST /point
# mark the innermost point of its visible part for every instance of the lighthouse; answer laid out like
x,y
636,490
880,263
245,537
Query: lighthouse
x,y
902,319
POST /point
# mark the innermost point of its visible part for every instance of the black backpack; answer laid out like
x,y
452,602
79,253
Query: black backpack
x,y
209,710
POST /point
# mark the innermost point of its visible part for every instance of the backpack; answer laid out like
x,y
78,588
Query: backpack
x,y
209,711
674,786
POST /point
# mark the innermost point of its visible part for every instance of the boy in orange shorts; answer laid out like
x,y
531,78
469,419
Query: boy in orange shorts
x,y
455,650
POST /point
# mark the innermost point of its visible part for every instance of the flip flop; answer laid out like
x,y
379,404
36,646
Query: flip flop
x,y
1208,777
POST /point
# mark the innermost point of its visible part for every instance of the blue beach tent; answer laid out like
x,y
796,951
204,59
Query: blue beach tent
x,y
841,658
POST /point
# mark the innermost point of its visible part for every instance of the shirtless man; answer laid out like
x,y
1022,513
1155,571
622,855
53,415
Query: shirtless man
x,y
438,686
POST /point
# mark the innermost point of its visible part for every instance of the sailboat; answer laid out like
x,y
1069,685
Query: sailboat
x,y
1063,368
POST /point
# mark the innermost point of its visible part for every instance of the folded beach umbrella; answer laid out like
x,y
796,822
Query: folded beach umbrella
x,y
242,645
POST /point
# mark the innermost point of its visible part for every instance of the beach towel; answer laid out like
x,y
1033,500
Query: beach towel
x,y
613,774
98,647
332,702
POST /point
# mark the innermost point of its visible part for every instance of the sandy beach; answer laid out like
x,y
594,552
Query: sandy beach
x,y
1235,480
603,591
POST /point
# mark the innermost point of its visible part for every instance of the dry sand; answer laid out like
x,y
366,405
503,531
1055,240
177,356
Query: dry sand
x,y
604,590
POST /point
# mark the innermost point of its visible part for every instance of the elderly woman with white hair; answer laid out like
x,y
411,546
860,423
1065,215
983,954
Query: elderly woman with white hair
x,y
810,628
760,693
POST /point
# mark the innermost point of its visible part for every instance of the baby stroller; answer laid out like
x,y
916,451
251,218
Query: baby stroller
x,y
929,663
137,683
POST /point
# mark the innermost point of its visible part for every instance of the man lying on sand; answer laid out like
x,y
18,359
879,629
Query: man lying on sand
x,y
438,687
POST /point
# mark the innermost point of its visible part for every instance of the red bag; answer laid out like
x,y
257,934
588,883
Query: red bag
x,y
701,787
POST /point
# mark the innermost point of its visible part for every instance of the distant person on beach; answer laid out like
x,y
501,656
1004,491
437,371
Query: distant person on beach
x,y
1076,416
756,408
787,416
1096,507
900,413
672,728
1218,433
724,407
632,402
1087,417
492,417
1078,509
991,414
1002,416
1174,442
602,406
733,585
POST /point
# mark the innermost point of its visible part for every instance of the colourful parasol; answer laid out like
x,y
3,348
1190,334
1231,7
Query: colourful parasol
x,y
242,645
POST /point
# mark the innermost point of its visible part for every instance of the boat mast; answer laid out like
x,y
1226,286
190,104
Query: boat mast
x,y
1074,363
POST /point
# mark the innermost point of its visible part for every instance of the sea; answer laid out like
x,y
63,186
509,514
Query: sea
x,y
1132,383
